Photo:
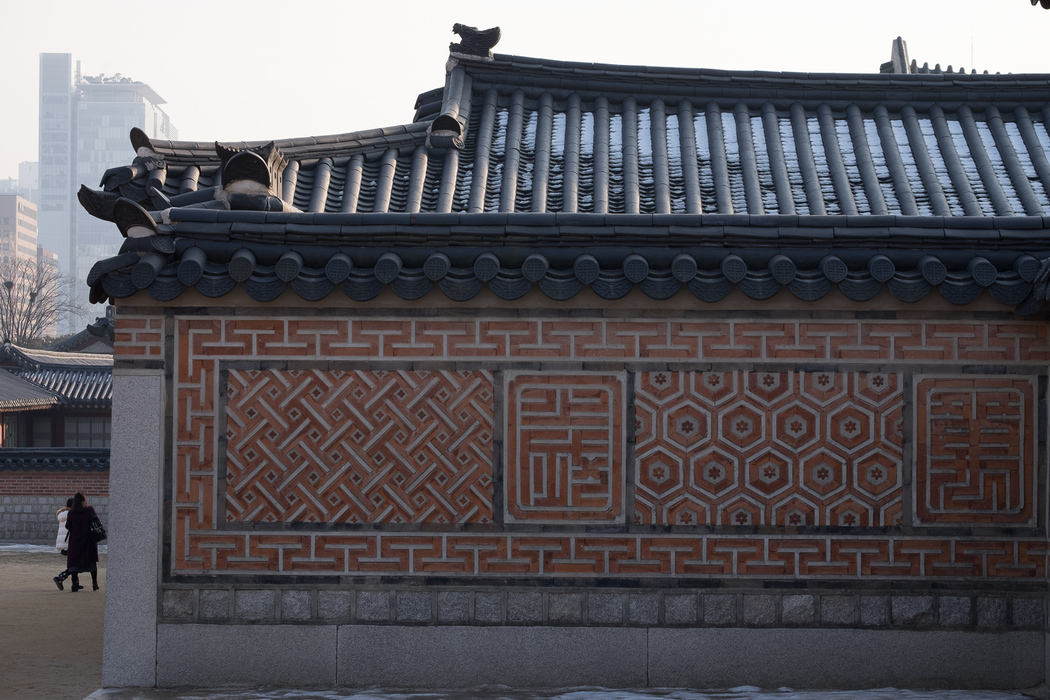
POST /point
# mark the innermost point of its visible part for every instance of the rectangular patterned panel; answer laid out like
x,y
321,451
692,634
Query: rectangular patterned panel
x,y
975,450
204,541
768,448
565,447
337,447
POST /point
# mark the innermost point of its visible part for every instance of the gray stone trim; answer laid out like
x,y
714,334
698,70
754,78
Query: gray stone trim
x,y
844,658
458,656
755,608
133,560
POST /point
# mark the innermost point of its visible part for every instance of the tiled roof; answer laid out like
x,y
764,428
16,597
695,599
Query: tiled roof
x,y
76,386
73,379
31,357
17,394
54,459
559,174
97,336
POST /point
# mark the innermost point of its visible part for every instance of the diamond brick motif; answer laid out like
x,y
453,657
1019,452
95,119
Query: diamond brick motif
x,y
380,465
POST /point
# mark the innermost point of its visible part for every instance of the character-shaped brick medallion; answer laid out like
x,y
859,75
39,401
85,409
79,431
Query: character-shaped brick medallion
x,y
565,446
975,451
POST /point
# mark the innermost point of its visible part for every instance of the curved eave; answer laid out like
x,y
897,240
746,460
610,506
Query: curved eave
x,y
27,404
560,254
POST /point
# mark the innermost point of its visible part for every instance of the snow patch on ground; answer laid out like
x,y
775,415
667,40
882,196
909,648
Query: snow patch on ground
x,y
739,693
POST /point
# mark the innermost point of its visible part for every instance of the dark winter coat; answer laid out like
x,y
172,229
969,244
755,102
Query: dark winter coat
x,y
81,552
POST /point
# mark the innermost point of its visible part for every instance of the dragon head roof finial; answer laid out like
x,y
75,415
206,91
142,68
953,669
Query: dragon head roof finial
x,y
474,42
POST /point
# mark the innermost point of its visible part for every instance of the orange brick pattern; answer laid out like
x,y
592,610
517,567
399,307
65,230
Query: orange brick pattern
x,y
60,485
975,450
204,540
351,447
598,339
769,448
566,447
138,338
598,555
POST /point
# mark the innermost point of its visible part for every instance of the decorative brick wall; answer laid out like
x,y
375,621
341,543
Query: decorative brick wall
x,y
602,449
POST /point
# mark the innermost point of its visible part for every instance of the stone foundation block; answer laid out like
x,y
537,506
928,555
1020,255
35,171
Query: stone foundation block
x,y
843,658
453,606
373,606
760,609
680,608
254,605
565,607
719,609
334,605
246,655
523,657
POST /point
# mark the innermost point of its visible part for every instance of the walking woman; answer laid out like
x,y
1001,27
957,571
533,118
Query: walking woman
x,y
62,539
81,551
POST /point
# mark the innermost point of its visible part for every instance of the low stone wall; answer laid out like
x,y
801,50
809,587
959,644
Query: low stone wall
x,y
29,501
961,608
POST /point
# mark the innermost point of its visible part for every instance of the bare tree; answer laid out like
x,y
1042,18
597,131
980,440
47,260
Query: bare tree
x,y
33,296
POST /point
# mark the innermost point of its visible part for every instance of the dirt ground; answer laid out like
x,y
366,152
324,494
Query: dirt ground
x,y
50,640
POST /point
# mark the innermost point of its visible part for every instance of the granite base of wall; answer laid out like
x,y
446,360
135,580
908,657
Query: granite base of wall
x,y
1003,608
31,519
545,656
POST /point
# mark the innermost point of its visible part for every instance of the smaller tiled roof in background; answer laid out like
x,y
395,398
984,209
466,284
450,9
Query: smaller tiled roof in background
x,y
96,338
18,394
83,380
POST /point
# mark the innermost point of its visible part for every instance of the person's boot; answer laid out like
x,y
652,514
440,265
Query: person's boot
x,y
58,582
76,584
94,581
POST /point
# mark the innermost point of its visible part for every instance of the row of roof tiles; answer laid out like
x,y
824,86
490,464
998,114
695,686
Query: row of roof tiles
x,y
41,378
265,272
52,459
660,157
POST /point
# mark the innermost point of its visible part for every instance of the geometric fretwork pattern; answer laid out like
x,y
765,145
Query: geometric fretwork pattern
x,y
769,448
203,541
565,447
351,446
975,451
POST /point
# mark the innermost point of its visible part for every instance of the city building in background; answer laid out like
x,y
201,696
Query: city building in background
x,y
22,258
18,229
84,122
29,181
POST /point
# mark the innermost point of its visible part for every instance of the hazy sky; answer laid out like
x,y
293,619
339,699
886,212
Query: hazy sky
x,y
262,69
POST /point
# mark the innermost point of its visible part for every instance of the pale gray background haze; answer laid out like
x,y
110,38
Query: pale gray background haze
x,y
264,69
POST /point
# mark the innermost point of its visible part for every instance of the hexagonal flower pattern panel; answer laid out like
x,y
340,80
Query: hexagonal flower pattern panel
x,y
769,448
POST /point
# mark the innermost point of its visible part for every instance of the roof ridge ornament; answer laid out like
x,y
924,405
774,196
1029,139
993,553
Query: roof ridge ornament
x,y
252,177
474,42
133,220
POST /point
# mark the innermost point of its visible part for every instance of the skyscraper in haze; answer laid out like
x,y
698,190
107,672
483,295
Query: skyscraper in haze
x,y
84,125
